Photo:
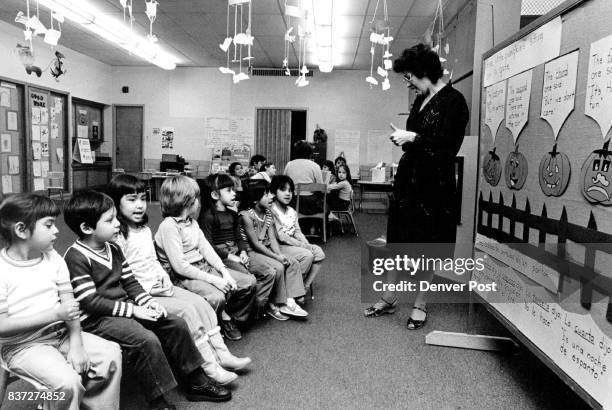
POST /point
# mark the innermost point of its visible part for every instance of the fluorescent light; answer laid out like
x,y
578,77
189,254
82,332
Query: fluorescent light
x,y
323,11
112,30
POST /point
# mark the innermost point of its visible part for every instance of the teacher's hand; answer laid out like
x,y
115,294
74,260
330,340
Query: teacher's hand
x,y
400,137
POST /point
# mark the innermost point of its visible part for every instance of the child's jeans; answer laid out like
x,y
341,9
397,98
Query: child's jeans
x,y
288,281
43,361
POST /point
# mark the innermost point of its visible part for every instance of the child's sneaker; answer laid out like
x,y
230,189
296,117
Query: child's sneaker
x,y
292,309
274,311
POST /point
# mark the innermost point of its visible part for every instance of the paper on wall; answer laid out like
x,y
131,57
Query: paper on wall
x,y
5,143
35,132
495,104
348,142
517,102
5,97
36,150
44,116
559,90
59,153
44,133
13,164
598,104
36,168
380,148
7,184
82,131
39,184
54,131
35,115
44,165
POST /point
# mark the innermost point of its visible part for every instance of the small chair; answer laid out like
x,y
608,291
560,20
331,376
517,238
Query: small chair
x,y
313,187
348,214
55,182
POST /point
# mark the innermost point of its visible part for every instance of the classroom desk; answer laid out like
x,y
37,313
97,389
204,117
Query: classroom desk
x,y
369,186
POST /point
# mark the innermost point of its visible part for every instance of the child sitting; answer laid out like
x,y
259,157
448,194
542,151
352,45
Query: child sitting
x,y
291,239
267,171
255,164
329,172
265,254
340,197
40,334
340,160
115,306
236,172
221,226
185,252
136,242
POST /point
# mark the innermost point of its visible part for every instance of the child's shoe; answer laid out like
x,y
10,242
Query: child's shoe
x,y
200,387
224,357
274,312
293,309
211,367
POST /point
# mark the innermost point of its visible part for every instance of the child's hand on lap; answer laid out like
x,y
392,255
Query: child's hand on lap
x,y
158,308
78,359
221,283
244,258
234,258
143,313
231,281
68,311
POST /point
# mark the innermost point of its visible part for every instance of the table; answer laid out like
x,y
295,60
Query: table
x,y
369,186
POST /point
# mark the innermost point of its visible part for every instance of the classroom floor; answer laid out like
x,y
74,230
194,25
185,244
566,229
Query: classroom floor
x,y
339,359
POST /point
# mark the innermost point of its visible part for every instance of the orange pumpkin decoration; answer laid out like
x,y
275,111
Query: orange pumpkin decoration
x,y
491,168
515,170
596,176
555,170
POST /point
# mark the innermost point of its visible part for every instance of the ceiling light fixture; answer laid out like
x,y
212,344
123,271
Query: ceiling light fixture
x,y
89,17
323,11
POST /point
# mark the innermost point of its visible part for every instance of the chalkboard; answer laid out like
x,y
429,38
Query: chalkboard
x,y
548,239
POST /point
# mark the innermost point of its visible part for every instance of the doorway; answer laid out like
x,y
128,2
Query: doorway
x,y
128,137
276,130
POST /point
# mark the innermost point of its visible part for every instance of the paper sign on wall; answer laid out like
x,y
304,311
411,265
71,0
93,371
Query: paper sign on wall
x,y
35,132
347,142
6,143
598,104
35,115
39,184
36,150
44,166
82,151
7,184
54,131
5,97
559,90
517,102
82,131
36,168
495,104
13,165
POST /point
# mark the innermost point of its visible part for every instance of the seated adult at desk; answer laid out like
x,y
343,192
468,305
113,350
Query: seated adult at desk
x,y
302,170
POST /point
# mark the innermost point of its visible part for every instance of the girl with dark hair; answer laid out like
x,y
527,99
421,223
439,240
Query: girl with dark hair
x,y
328,169
420,211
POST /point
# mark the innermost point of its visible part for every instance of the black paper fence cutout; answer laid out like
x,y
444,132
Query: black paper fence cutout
x,y
593,241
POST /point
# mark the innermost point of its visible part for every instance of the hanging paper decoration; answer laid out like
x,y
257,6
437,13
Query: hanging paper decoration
x,y
434,37
57,66
380,35
241,39
52,35
27,59
297,14
127,6
151,12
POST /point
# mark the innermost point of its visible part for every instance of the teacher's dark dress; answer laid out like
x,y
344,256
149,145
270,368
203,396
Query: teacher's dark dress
x,y
423,207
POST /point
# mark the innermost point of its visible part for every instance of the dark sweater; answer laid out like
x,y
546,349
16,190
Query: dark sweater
x,y
103,285
221,227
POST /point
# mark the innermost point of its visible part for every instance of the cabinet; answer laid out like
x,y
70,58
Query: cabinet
x,y
91,176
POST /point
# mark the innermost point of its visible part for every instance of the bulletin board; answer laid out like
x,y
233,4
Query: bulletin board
x,y
46,139
544,218
11,138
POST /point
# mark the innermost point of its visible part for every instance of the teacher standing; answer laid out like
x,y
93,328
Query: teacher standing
x,y
423,207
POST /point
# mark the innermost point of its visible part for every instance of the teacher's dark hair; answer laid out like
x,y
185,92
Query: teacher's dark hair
x,y
421,61
302,150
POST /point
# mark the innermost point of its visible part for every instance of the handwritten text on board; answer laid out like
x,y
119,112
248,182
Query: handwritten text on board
x,y
517,102
495,103
598,104
559,90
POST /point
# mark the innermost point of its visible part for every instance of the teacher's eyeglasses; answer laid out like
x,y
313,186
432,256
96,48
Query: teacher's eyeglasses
x,y
407,77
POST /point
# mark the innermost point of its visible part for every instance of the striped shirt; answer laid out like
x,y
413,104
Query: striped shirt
x,y
104,284
261,226
32,287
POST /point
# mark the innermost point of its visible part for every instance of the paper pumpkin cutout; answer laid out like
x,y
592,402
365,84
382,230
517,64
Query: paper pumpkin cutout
x,y
491,168
596,175
515,170
554,172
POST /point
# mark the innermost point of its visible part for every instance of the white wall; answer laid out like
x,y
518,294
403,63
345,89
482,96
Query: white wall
x,y
184,97
86,78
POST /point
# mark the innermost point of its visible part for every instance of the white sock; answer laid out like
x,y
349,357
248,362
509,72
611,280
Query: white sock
x,y
225,316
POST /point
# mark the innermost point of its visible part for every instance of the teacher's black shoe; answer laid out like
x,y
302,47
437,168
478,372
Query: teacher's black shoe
x,y
382,307
417,324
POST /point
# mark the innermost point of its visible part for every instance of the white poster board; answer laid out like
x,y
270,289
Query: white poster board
x,y
82,151
517,102
229,132
535,48
559,90
598,104
495,104
347,142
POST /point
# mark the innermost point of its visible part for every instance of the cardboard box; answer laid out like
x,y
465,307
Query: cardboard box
x,y
378,174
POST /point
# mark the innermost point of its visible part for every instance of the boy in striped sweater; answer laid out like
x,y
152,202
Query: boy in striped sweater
x,y
117,308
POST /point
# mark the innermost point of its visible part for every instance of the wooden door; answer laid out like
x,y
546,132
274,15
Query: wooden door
x,y
273,136
128,137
